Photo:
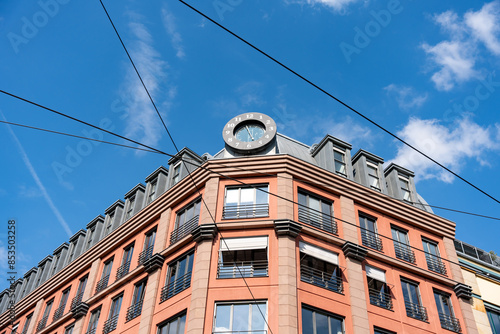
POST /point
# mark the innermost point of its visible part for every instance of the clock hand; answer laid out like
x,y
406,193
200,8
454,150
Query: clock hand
x,y
246,126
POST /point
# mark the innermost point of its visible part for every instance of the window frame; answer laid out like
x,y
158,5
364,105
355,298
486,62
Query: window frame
x,y
242,210
176,173
314,217
371,166
169,289
341,162
328,314
130,208
402,250
418,303
369,238
250,318
402,181
179,316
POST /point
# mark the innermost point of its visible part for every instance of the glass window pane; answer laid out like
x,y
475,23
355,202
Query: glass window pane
x,y
302,199
232,196
314,204
223,318
247,196
258,322
321,323
240,317
307,321
336,326
261,195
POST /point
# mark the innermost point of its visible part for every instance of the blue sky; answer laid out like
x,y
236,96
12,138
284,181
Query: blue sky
x,y
425,70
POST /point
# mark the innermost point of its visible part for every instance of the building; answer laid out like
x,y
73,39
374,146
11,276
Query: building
x,y
481,270
268,235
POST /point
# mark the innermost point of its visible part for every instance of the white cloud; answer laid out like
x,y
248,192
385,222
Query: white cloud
x,y
406,97
143,123
457,56
349,131
175,37
485,25
29,192
337,5
454,147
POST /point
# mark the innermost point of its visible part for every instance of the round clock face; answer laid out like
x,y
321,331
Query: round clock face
x,y
249,132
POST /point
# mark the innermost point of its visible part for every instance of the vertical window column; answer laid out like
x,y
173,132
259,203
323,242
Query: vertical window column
x,y
369,236
378,290
445,312
413,303
246,202
178,277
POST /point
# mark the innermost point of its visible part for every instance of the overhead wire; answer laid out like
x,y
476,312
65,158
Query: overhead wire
x,y
339,101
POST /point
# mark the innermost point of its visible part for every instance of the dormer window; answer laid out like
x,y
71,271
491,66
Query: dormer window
x,y
405,188
373,177
90,236
177,173
152,190
130,210
339,159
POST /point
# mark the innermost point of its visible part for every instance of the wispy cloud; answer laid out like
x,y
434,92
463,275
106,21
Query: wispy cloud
x,y
38,182
336,5
143,123
248,96
406,97
29,192
350,131
464,142
456,58
169,23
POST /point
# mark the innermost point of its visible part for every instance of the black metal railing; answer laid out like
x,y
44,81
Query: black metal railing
x,y
102,284
42,323
450,323
145,255
404,252
123,270
381,299
370,239
317,219
242,269
59,312
416,311
91,331
110,324
245,211
321,278
76,300
134,310
173,288
183,230
435,264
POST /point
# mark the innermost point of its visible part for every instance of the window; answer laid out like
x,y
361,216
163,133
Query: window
x,y
320,267
320,322
405,188
149,242
40,274
114,313
90,236
494,318
373,178
316,211
111,220
136,308
69,329
93,321
176,176
244,317
246,202
14,328
402,245
62,304
55,262
339,160
243,257
178,277
377,330
175,325
25,285
79,292
445,312
434,262
413,303
378,291
186,221
27,323
106,271
126,260
72,251
43,322
369,236
152,190
130,210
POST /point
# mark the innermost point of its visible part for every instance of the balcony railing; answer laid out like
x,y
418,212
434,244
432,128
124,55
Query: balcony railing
x,y
450,323
42,323
380,299
416,311
183,230
173,288
242,269
370,239
59,312
317,219
91,331
122,270
477,253
102,284
245,211
404,252
76,300
134,310
145,255
110,324
435,264
320,278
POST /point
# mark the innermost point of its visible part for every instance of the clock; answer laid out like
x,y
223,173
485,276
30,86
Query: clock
x,y
249,132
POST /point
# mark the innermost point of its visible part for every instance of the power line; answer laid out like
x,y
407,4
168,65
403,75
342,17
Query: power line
x,y
76,136
338,100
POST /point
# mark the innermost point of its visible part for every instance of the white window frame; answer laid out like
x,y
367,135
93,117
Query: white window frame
x,y
342,162
244,302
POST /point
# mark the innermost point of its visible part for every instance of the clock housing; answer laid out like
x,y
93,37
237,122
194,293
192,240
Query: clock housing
x,y
249,132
